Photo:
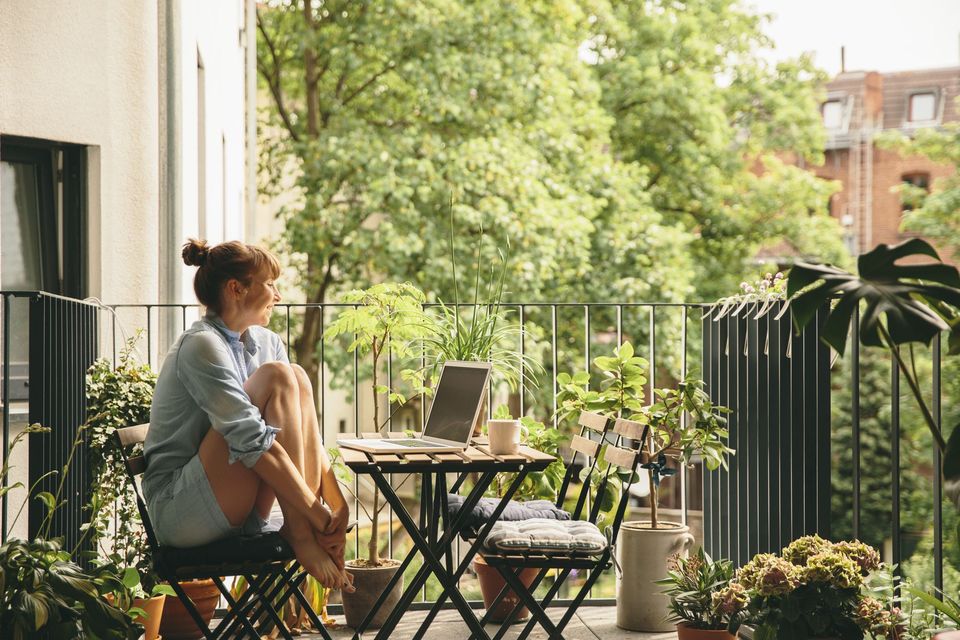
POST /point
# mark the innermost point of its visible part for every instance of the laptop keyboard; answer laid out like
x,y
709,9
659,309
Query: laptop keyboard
x,y
414,443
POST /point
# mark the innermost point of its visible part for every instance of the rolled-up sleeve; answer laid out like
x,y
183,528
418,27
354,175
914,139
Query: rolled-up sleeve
x,y
204,366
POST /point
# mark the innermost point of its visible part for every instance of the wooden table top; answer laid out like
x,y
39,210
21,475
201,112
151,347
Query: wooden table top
x,y
477,456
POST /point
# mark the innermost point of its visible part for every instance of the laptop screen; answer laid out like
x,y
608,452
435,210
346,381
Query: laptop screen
x,y
459,393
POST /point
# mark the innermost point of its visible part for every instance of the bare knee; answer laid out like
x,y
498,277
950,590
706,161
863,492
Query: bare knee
x,y
303,381
278,376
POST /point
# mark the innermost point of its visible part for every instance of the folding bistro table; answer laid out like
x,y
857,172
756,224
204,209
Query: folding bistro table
x,y
434,535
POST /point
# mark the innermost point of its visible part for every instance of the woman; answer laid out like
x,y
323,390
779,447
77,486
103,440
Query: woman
x,y
233,425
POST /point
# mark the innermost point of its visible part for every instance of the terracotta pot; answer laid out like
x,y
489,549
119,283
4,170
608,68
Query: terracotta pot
x,y
947,635
491,583
176,623
154,612
153,608
370,583
686,632
643,553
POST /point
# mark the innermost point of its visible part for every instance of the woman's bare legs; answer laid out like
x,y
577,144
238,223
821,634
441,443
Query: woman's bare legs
x,y
274,389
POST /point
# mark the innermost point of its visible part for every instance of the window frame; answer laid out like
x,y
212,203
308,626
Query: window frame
x,y
62,202
908,120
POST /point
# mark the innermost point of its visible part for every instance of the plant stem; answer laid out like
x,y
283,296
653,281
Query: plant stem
x,y
373,548
653,501
915,388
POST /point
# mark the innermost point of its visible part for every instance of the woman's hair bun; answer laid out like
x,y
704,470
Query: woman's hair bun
x,y
195,252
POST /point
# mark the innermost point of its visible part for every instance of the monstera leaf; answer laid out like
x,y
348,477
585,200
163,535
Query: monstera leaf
x,y
918,300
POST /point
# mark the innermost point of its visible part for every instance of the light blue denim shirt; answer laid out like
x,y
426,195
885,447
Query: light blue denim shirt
x,y
201,385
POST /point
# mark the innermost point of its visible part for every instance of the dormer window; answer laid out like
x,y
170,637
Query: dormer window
x,y
922,107
832,111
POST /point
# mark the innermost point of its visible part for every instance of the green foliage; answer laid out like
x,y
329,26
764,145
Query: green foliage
x,y
117,397
621,393
386,316
704,434
613,145
935,215
817,589
918,302
488,335
691,583
623,376
42,592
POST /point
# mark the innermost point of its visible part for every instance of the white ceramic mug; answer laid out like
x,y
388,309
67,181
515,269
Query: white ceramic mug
x,y
504,436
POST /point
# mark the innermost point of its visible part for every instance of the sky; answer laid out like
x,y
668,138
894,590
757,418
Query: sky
x,y
879,35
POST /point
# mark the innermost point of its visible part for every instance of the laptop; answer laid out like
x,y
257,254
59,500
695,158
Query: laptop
x,y
456,406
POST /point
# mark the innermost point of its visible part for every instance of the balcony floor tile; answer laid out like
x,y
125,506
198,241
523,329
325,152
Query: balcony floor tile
x,y
590,623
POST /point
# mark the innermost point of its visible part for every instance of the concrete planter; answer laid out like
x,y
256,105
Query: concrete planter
x,y
370,583
643,554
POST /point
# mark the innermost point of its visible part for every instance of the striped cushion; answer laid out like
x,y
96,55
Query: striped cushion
x,y
543,534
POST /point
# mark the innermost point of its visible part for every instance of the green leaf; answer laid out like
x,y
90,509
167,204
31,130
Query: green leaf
x,y
906,295
47,499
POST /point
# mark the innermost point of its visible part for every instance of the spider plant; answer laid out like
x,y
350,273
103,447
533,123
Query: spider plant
x,y
481,330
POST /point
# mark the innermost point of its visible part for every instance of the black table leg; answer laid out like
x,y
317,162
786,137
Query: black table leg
x,y
431,563
459,522
474,547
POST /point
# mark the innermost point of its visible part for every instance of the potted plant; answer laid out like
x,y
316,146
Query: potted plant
x,y
483,331
43,593
118,397
672,439
694,585
385,316
813,589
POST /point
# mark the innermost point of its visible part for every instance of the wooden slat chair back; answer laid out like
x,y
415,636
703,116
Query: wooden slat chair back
x,y
265,560
621,447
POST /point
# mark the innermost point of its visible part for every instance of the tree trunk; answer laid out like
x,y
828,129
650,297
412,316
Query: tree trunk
x,y
653,500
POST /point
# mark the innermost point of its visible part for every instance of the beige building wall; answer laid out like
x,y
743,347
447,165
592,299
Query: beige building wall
x,y
165,140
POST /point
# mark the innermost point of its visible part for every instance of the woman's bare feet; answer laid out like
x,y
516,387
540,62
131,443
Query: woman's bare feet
x,y
316,561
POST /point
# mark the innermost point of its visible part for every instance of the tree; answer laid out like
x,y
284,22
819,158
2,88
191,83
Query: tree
x,y
610,179
706,117
936,215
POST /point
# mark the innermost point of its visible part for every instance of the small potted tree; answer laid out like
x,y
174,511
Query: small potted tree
x,y
683,424
384,317
694,585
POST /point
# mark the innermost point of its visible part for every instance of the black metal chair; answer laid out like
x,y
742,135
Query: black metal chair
x,y
266,561
594,435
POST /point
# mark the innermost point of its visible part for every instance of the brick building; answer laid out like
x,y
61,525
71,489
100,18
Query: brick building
x,y
859,105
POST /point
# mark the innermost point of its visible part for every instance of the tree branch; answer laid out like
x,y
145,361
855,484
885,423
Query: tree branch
x,y
273,76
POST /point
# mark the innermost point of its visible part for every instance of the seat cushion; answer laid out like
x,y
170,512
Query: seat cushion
x,y
545,536
235,551
514,511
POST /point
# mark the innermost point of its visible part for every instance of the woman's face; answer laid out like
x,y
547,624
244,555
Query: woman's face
x,y
260,296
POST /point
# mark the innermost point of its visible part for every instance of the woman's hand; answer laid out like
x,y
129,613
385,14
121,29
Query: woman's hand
x,y
333,539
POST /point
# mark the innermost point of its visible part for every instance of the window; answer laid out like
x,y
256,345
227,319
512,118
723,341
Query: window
x,y
923,107
914,188
42,211
42,231
832,111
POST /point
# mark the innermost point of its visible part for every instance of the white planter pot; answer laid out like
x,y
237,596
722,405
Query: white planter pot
x,y
642,553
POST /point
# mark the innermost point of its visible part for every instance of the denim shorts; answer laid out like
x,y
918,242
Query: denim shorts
x,y
185,512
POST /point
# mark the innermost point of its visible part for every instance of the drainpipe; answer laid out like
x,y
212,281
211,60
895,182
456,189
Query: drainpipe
x,y
171,167
250,44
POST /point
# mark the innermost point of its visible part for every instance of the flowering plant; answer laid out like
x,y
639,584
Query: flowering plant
x,y
814,589
694,585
